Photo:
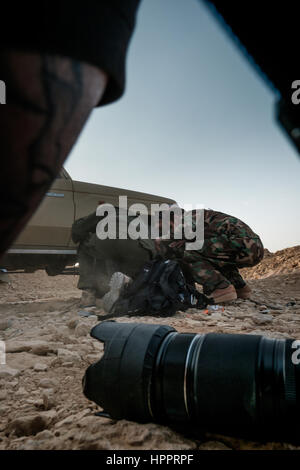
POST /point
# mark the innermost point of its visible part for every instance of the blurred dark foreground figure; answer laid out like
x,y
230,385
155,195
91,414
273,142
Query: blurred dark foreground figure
x,y
59,60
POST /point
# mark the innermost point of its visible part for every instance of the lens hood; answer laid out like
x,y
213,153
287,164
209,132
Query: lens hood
x,y
120,381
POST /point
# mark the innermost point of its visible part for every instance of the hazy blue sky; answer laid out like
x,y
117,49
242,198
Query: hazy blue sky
x,y
196,124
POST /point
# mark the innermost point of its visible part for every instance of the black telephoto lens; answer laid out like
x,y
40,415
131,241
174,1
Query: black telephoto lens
x,y
241,385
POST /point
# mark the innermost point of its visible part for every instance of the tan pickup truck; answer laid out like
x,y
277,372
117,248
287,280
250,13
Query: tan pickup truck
x,y
46,240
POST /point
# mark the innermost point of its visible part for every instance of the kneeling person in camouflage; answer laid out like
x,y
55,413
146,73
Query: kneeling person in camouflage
x,y
229,244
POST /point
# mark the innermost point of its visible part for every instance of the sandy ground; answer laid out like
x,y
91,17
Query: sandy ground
x,y
48,349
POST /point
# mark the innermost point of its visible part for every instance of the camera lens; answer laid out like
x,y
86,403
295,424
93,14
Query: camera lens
x,y
246,385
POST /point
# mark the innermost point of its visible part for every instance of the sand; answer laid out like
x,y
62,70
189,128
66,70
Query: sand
x,y
48,348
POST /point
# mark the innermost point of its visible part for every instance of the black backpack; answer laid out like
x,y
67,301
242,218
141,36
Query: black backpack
x,y
160,289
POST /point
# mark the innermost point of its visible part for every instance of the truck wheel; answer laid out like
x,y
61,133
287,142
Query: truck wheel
x,y
55,269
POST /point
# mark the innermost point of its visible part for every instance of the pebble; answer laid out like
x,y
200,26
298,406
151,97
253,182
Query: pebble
x,y
92,318
72,324
36,403
67,420
21,392
82,330
48,399
40,367
14,383
92,357
262,307
261,319
27,425
4,410
41,350
68,356
46,434
23,346
8,372
67,364
48,383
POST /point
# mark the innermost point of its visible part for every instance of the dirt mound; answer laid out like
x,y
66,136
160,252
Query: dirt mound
x,y
285,261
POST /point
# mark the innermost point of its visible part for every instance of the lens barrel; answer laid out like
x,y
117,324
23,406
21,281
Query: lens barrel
x,y
246,385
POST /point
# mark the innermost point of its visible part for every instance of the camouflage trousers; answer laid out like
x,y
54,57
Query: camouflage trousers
x,y
217,264
99,259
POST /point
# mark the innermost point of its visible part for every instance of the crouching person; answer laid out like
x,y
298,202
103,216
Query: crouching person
x,y
100,259
229,244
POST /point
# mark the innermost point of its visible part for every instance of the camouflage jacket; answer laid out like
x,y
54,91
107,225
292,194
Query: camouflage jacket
x,y
215,223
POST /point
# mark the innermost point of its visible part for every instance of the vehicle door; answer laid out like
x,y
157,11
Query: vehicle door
x,y
51,224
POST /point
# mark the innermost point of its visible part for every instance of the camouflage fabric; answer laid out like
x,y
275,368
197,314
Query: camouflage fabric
x,y
229,244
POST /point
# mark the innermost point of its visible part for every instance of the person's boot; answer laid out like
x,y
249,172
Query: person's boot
x,y
226,294
88,298
117,282
244,292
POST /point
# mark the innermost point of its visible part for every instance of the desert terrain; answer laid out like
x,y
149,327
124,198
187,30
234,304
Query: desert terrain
x,y
48,348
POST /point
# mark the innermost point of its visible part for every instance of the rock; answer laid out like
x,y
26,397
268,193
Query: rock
x,y
82,330
92,318
92,357
262,307
48,399
4,410
37,403
41,349
213,445
68,356
48,383
46,434
72,323
21,392
8,372
3,395
68,420
61,334
23,346
93,423
261,319
27,425
13,383
49,416
67,364
4,324
216,316
40,367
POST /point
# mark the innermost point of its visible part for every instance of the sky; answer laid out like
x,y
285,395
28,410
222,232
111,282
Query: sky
x,y
196,124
